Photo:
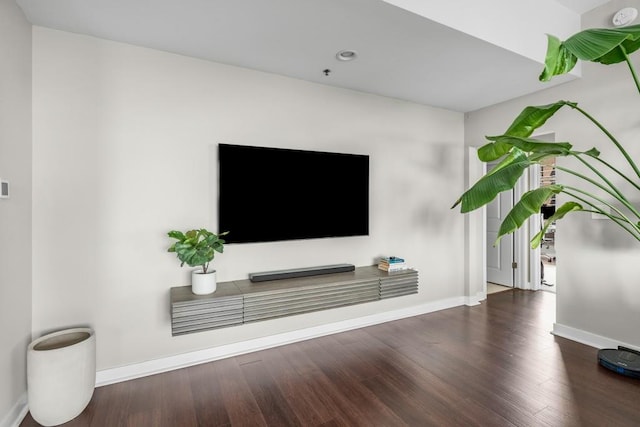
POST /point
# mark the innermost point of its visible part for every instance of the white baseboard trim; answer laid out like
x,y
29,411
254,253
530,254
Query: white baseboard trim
x,y
17,413
151,367
475,300
587,338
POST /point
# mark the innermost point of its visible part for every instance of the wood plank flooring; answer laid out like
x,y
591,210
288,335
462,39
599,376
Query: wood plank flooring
x,y
496,364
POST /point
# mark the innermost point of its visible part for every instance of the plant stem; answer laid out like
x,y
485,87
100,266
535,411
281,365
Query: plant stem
x,y
617,220
597,172
633,71
602,201
205,267
623,217
612,138
600,212
617,195
626,178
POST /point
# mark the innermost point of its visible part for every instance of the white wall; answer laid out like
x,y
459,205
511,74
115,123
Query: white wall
x,y
512,25
124,151
15,213
597,288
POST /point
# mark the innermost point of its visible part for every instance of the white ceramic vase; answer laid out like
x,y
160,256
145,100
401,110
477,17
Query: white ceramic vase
x,y
203,284
61,375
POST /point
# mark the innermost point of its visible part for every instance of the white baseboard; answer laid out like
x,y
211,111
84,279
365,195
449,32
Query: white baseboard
x,y
475,300
151,367
587,338
17,413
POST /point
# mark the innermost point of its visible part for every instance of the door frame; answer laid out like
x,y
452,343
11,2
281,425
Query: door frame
x,y
527,275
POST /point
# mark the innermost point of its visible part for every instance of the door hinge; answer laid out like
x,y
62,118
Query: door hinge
x,y
514,265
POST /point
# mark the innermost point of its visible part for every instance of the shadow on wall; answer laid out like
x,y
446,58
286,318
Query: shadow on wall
x,y
442,170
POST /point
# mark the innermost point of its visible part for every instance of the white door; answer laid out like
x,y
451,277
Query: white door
x,y
499,258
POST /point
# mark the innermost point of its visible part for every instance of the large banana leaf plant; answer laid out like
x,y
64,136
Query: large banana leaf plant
x,y
516,151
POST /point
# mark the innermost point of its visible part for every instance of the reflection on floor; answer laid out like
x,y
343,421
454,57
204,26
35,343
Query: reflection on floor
x,y
492,288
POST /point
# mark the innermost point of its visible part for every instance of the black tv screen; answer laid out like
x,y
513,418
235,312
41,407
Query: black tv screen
x,y
275,194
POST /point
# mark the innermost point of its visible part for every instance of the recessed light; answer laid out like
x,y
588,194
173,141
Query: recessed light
x,y
347,55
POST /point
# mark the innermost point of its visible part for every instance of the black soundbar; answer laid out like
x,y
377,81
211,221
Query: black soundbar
x,y
300,272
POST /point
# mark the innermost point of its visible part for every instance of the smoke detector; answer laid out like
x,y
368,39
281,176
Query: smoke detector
x,y
625,16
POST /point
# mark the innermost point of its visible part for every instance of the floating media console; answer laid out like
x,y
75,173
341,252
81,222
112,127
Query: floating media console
x,y
243,301
300,272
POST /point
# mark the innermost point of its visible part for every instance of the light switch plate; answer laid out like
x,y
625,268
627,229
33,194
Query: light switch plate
x,y
4,189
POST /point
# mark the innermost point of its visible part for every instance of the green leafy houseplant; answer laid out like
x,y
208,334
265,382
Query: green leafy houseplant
x,y
516,151
196,247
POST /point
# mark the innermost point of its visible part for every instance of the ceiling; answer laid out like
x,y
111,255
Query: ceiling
x,y
582,6
400,54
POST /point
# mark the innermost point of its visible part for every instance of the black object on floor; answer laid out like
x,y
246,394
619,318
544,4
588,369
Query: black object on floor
x,y
624,360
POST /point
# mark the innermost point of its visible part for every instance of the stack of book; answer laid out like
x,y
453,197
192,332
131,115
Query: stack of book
x,y
392,263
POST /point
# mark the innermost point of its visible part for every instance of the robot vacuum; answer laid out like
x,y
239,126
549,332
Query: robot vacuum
x,y
622,360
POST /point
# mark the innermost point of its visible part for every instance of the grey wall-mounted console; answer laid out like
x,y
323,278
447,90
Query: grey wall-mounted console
x,y
243,301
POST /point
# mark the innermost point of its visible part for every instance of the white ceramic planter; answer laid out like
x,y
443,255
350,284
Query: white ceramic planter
x,y
203,284
61,375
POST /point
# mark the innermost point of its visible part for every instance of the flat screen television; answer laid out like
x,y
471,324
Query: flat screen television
x,y
274,194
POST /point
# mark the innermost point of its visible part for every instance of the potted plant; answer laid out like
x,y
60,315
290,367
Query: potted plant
x,y
517,151
197,248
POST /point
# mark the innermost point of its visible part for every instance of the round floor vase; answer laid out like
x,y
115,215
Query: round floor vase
x,y
61,375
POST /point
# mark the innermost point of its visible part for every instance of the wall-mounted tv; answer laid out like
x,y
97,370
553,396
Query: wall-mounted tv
x,y
274,194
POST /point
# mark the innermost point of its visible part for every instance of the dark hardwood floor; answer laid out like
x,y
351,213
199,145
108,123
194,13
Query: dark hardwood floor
x,y
496,364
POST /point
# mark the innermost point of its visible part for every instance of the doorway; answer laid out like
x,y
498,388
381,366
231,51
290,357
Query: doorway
x,y
548,244
514,264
